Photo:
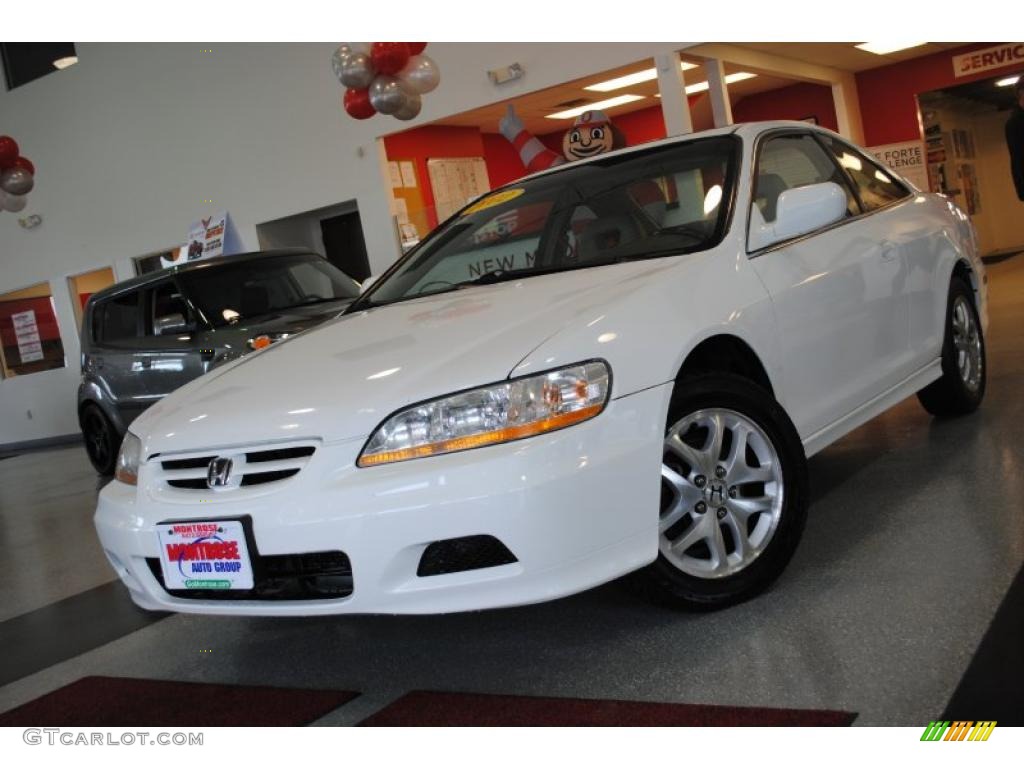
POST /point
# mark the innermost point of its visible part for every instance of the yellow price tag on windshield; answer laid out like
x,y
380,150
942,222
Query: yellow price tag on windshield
x,y
492,200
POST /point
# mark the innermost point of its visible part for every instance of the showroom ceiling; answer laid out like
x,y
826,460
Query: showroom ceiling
x,y
532,108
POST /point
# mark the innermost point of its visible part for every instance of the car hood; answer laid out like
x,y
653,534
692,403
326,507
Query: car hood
x,y
340,380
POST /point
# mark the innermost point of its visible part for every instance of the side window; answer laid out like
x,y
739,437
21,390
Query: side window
x,y
874,184
166,300
791,161
117,319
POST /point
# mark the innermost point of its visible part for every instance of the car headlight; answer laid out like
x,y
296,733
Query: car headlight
x,y
499,413
128,459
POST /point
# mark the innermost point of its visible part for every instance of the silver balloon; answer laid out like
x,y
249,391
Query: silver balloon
x,y
342,54
387,94
420,75
357,71
413,105
15,203
16,181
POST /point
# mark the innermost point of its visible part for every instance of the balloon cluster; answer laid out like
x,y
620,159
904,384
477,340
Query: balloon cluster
x,y
389,78
16,176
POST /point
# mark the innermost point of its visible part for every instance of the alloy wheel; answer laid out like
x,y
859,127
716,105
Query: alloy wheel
x,y
722,493
967,344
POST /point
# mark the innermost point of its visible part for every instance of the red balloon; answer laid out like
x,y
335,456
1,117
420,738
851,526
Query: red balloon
x,y
24,162
357,103
389,58
415,49
8,151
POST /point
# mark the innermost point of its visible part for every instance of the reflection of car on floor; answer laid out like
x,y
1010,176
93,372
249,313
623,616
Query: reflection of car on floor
x,y
626,376
144,338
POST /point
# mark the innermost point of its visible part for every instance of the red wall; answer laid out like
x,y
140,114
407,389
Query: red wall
x,y
887,95
794,102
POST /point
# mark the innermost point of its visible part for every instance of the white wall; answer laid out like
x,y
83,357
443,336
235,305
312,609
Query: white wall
x,y
130,141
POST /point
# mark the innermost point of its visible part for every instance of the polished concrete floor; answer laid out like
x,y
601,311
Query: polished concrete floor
x,y
915,535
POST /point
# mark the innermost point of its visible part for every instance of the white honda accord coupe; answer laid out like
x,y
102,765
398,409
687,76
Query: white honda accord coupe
x,y
619,366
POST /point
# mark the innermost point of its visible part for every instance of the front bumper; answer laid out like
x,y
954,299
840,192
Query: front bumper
x,y
577,508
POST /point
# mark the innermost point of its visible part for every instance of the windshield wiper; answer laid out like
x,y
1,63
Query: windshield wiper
x,y
505,275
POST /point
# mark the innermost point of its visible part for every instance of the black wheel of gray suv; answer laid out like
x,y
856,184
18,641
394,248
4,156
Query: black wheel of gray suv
x,y
962,386
733,495
101,439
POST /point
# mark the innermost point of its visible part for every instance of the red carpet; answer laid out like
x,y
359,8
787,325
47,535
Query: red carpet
x,y
477,709
127,702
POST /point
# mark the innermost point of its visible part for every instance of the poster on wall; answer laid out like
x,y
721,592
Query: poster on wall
x,y
456,181
207,238
996,57
26,331
907,158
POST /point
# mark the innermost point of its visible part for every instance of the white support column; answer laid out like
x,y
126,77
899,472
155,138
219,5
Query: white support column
x,y
721,109
847,104
675,107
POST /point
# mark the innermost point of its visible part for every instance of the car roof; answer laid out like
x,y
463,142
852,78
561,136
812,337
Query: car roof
x,y
192,266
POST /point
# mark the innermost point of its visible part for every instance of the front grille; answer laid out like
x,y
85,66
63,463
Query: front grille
x,y
250,466
467,553
305,576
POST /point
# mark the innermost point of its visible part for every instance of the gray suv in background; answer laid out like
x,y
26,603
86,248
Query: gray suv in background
x,y
145,337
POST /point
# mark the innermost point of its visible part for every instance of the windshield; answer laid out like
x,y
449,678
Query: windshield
x,y
665,201
228,293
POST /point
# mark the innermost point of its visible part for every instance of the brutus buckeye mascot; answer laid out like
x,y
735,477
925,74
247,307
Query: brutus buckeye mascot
x,y
592,133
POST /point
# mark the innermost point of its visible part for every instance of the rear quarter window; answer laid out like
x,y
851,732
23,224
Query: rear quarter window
x,y
116,319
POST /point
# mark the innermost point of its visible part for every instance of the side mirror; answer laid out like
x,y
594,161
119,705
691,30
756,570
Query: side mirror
x,y
364,286
170,324
797,212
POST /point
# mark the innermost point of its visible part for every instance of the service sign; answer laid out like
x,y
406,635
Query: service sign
x,y
205,555
1004,55
907,158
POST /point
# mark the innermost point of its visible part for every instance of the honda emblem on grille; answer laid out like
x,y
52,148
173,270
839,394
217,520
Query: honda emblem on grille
x,y
219,472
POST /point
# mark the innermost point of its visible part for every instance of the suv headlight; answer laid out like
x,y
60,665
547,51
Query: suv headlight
x,y
128,459
499,413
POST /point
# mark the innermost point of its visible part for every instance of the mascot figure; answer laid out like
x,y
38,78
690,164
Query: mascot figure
x,y
592,133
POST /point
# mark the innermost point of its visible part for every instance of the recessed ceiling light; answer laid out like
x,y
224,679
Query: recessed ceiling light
x,y
735,77
1008,81
65,62
615,101
883,48
625,81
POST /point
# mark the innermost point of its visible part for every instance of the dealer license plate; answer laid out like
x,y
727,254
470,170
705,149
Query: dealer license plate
x,y
204,555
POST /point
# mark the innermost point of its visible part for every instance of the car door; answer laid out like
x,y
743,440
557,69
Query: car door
x,y
118,353
837,293
174,356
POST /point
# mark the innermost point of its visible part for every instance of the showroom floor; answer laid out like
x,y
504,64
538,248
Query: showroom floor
x,y
890,609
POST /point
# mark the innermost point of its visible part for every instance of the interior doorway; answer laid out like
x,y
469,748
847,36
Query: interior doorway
x,y
964,134
335,232
344,245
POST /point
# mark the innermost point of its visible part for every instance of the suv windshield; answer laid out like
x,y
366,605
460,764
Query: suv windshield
x,y
228,293
664,201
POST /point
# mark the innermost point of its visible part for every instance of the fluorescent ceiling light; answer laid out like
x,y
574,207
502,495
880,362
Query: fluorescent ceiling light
x,y
1008,81
615,101
65,62
625,81
735,77
883,48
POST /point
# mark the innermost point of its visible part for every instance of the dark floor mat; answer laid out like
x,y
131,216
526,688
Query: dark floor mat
x,y
430,708
127,702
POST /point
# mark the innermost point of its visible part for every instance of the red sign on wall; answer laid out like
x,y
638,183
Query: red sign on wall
x,y
995,57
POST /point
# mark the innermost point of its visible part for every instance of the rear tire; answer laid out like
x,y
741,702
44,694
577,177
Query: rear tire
x,y
101,439
962,386
734,495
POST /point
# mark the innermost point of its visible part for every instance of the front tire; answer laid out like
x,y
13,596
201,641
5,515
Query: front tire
x,y
734,495
962,386
101,440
